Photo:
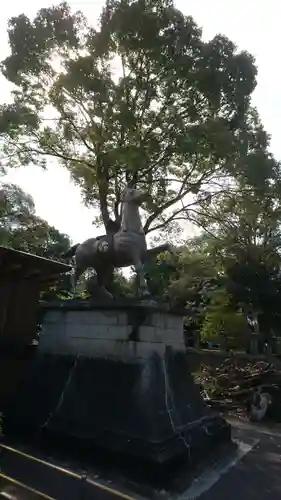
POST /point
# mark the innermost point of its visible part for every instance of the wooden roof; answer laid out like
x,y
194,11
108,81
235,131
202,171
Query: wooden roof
x,y
16,264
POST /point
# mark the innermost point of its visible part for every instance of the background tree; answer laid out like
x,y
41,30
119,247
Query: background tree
x,y
142,97
223,322
22,229
242,233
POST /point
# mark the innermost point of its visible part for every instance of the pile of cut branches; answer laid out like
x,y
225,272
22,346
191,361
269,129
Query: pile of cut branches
x,y
254,388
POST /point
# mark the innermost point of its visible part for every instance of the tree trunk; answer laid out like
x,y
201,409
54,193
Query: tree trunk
x,y
104,210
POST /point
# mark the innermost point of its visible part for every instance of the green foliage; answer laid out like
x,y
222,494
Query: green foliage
x,y
223,323
21,229
160,272
144,98
141,97
122,286
194,281
219,290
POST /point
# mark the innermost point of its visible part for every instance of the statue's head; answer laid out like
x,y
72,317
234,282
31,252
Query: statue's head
x,y
133,195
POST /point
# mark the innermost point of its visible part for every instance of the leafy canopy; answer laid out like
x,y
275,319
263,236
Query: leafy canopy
x,y
141,97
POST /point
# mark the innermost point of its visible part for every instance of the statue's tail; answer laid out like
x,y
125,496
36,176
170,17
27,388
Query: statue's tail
x,y
71,251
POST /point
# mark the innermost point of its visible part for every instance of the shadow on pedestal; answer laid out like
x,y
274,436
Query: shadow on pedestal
x,y
145,408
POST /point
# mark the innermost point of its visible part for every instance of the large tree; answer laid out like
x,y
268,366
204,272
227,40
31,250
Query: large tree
x,y
143,97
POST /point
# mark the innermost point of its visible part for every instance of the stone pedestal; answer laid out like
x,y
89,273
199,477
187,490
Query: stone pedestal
x,y
116,376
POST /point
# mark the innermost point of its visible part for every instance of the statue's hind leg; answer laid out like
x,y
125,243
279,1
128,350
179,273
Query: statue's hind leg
x,y
103,280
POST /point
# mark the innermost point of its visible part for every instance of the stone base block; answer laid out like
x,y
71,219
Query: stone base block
x,y
114,331
127,390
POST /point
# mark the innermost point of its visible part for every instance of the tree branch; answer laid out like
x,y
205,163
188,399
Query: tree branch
x,y
89,165
184,190
81,137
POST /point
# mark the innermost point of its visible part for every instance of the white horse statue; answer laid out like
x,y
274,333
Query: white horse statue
x,y
123,248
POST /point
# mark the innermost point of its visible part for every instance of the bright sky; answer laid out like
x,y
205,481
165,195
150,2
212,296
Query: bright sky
x,y
253,25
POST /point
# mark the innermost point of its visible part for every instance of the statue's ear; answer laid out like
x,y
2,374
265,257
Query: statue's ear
x,y
123,195
132,184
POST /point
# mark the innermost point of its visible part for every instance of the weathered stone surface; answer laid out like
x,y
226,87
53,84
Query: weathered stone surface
x,y
85,332
108,348
148,408
123,385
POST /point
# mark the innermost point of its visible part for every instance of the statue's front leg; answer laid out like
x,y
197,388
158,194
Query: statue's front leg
x,y
76,272
142,284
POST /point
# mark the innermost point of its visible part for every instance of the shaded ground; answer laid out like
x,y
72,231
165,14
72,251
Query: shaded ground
x,y
250,472
257,475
